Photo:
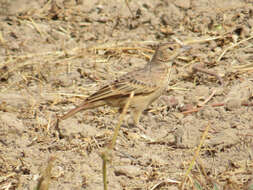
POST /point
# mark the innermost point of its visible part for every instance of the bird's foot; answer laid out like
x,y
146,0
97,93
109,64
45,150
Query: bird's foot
x,y
139,129
136,126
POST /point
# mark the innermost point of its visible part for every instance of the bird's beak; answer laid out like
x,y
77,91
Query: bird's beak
x,y
186,48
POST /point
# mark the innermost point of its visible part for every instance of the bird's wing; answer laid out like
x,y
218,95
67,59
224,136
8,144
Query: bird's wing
x,y
137,81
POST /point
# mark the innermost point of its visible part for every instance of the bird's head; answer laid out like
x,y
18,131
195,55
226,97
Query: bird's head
x,y
167,52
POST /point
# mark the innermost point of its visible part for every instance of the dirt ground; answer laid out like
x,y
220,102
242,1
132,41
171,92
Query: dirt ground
x,y
55,53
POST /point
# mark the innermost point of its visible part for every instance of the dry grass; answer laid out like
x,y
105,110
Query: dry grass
x,y
30,72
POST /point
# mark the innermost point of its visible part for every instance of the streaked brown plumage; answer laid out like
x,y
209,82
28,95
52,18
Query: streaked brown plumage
x,y
148,83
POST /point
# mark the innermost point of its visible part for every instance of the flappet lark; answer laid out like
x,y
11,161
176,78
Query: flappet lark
x,y
148,83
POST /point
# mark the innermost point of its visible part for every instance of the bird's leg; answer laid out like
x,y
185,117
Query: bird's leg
x,y
136,114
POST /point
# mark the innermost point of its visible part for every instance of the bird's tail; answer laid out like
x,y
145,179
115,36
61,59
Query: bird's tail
x,y
84,106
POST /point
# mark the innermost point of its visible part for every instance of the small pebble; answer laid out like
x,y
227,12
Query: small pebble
x,y
128,170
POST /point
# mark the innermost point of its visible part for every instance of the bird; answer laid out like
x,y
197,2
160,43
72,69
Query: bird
x,y
147,83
